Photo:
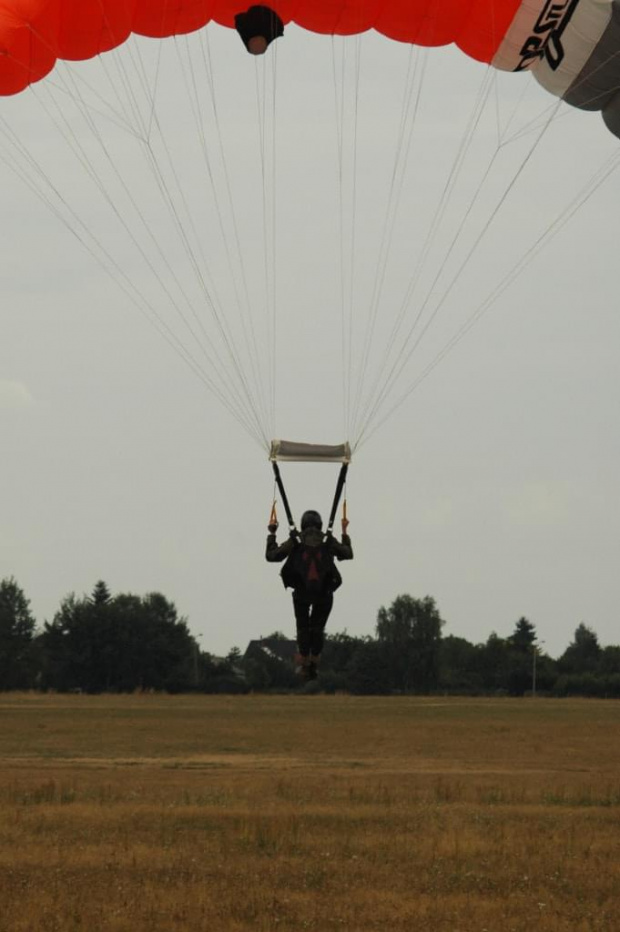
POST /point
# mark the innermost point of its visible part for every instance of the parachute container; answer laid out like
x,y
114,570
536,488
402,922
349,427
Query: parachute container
x,y
289,451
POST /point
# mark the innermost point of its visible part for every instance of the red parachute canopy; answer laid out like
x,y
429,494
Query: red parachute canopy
x,y
34,33
572,46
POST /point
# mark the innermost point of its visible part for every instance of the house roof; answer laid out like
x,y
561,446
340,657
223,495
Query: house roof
x,y
281,649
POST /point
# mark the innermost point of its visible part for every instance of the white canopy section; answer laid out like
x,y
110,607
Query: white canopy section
x,y
288,451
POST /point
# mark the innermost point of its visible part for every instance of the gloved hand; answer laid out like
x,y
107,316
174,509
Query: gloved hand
x,y
272,528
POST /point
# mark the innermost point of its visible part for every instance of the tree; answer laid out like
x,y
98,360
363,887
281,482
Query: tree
x,y
524,636
369,671
119,643
522,644
546,672
495,661
583,653
409,631
63,648
158,650
101,595
609,662
338,650
234,656
16,634
459,665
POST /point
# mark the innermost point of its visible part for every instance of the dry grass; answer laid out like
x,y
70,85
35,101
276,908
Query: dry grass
x,y
256,813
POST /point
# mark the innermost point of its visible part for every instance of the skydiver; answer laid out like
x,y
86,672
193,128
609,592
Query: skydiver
x,y
311,573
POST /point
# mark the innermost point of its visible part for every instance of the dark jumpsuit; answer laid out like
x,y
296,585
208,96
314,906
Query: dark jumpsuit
x,y
311,611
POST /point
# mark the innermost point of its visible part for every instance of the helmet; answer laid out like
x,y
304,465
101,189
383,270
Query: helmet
x,y
311,519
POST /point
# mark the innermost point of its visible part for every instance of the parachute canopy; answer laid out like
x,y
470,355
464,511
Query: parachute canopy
x,y
572,46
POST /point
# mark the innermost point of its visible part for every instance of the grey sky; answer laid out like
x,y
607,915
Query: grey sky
x,y
492,488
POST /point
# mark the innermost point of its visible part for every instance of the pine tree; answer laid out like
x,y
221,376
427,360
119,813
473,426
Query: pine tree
x,y
101,595
16,633
524,636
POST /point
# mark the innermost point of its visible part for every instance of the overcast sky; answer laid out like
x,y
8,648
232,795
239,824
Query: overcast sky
x,y
492,487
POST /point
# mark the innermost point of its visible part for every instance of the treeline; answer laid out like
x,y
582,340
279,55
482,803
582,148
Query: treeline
x,y
409,655
123,643
105,643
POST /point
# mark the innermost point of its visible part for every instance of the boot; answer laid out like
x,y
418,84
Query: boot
x,y
302,667
313,663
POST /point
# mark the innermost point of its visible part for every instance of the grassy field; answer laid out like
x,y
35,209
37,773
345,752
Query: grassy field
x,y
308,812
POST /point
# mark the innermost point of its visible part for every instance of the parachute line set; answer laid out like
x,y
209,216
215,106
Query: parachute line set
x,y
201,284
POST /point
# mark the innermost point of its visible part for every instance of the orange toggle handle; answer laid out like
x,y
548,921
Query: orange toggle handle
x,y
273,518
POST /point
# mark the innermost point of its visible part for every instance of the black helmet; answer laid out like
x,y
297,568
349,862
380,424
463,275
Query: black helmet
x,y
311,519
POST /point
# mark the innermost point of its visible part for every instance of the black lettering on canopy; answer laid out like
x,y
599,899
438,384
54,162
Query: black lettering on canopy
x,y
546,39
